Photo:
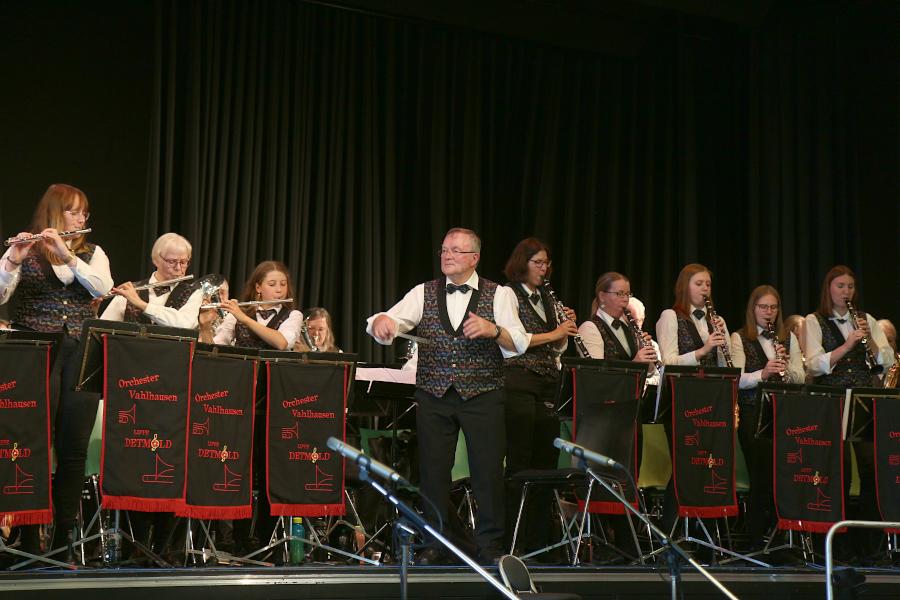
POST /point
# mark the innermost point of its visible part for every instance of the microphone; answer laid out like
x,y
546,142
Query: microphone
x,y
585,454
368,463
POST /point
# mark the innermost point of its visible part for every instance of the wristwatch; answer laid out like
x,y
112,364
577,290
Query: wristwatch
x,y
499,331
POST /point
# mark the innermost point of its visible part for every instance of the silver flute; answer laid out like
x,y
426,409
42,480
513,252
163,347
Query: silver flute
x,y
39,236
248,303
150,286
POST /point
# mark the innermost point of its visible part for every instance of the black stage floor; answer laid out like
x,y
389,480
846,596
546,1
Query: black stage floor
x,y
375,583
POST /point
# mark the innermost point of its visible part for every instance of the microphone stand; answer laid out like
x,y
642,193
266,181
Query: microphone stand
x,y
674,549
420,523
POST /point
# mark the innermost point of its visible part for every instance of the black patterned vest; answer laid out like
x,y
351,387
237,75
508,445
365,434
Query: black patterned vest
x,y
245,338
43,303
756,360
689,340
612,347
540,359
178,297
473,367
851,370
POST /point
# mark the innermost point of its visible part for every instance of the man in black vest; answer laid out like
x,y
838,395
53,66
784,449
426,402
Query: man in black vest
x,y
170,306
471,324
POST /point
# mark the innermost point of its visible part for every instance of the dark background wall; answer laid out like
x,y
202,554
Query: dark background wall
x,y
635,136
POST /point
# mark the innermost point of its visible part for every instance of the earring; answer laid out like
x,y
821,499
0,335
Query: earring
x,y
258,296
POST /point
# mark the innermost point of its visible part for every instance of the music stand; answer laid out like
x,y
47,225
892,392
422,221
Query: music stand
x,y
90,347
289,356
90,380
662,409
764,424
623,367
33,338
859,427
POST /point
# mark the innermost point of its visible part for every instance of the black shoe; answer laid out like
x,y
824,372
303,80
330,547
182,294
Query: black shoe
x,y
432,557
490,555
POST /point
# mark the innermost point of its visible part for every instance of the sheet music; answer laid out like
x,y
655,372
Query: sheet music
x,y
385,374
845,418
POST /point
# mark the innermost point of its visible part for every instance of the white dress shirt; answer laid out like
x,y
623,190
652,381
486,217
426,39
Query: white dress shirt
x,y
185,317
793,374
559,346
818,362
408,312
290,328
93,275
667,334
593,341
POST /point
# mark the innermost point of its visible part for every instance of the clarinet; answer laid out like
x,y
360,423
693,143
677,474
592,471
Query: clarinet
x,y
711,318
639,334
871,359
779,347
561,316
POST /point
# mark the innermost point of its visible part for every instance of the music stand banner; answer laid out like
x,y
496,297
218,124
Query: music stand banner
x,y
220,440
809,462
146,386
25,434
605,405
887,456
703,446
305,406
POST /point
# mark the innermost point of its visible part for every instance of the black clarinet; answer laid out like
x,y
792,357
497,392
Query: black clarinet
x,y
561,316
639,334
711,318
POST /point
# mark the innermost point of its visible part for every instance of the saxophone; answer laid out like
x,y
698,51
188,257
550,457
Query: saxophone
x,y
561,316
892,377
307,339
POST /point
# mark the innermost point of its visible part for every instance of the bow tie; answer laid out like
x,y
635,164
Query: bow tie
x,y
836,320
768,334
161,290
699,314
266,312
617,324
462,289
535,298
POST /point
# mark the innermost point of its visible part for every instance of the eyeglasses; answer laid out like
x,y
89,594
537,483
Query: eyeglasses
x,y
177,262
455,251
540,264
620,294
78,213
767,306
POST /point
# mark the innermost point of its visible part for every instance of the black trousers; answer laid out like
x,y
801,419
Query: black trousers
x,y
531,427
481,418
760,515
74,420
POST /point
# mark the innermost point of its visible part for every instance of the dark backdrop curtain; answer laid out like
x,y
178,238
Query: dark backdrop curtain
x,y
346,144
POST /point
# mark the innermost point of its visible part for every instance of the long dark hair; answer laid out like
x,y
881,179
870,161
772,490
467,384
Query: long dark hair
x,y
749,329
58,198
516,269
683,289
826,306
258,275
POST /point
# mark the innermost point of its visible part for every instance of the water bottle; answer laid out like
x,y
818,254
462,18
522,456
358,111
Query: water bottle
x,y
297,546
